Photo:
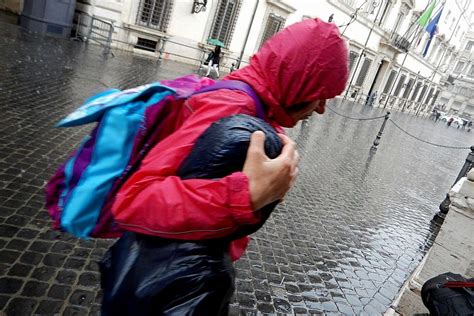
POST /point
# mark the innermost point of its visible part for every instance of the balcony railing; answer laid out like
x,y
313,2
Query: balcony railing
x,y
400,42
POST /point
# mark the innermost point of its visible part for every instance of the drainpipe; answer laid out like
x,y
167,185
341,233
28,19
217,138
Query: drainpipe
x,y
247,35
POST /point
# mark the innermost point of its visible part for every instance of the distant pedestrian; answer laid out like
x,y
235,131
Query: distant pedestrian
x,y
437,116
469,126
450,121
371,98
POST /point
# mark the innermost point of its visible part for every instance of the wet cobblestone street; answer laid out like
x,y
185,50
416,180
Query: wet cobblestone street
x,y
348,235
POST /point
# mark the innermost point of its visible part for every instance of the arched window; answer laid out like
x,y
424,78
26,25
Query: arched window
x,y
155,13
224,20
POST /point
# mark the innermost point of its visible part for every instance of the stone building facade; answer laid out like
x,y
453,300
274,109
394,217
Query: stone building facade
x,y
388,53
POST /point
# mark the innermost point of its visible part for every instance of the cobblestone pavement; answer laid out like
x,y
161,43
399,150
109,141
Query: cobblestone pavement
x,y
346,238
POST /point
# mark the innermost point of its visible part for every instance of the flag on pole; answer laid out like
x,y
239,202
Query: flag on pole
x,y
431,28
425,17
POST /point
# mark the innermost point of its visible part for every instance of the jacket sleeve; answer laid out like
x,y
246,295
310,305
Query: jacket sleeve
x,y
155,201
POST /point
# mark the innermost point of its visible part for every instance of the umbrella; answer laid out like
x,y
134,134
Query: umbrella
x,y
216,42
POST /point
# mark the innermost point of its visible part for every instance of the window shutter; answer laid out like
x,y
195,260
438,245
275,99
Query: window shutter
x,y
434,97
224,20
429,95
274,24
363,72
399,85
423,91
408,88
417,88
352,58
155,14
390,80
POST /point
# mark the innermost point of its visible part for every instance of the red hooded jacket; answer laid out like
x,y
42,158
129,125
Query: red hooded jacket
x,y
304,62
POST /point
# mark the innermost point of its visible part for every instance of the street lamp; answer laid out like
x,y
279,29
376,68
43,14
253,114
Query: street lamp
x,y
199,6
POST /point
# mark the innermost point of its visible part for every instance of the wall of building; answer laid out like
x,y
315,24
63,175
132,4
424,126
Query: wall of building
x,y
187,34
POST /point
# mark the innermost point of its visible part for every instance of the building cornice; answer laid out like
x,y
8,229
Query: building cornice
x,y
145,30
361,18
281,5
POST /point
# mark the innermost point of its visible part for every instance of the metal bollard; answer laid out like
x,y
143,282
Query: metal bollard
x,y
162,49
379,135
444,206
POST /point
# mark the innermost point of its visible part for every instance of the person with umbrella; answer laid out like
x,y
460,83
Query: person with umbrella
x,y
214,57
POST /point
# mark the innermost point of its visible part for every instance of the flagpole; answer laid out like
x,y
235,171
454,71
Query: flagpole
x,y
442,55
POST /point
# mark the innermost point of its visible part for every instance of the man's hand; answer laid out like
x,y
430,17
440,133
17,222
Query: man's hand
x,y
270,179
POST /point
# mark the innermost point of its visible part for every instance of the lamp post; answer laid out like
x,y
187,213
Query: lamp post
x,y
247,35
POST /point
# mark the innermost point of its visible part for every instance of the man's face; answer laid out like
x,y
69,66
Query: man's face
x,y
304,110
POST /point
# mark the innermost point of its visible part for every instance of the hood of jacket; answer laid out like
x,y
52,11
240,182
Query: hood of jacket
x,y
304,62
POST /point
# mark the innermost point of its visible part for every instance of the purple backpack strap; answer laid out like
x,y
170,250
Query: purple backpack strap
x,y
236,85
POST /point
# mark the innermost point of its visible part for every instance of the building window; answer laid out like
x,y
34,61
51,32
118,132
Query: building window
x,y
390,80
408,88
386,8
434,97
224,20
469,46
146,44
422,94
451,25
401,81
155,13
352,58
471,72
459,67
350,3
274,24
415,92
363,72
446,19
430,94
370,6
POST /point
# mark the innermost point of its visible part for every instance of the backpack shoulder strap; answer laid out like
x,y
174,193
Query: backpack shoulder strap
x,y
236,85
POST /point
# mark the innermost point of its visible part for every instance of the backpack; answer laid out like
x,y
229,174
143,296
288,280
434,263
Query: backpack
x,y
80,195
449,294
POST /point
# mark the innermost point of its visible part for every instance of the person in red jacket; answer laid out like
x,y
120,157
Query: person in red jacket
x,y
293,74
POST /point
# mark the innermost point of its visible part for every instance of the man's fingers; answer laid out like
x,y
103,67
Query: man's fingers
x,y
257,142
284,139
289,147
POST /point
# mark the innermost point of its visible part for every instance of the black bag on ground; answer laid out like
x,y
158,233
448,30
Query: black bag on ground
x,y
449,294
146,275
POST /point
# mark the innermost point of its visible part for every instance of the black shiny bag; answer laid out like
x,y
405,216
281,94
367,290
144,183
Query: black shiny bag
x,y
449,294
146,275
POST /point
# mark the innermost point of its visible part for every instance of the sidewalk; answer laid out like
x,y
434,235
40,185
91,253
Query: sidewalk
x,y
452,251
